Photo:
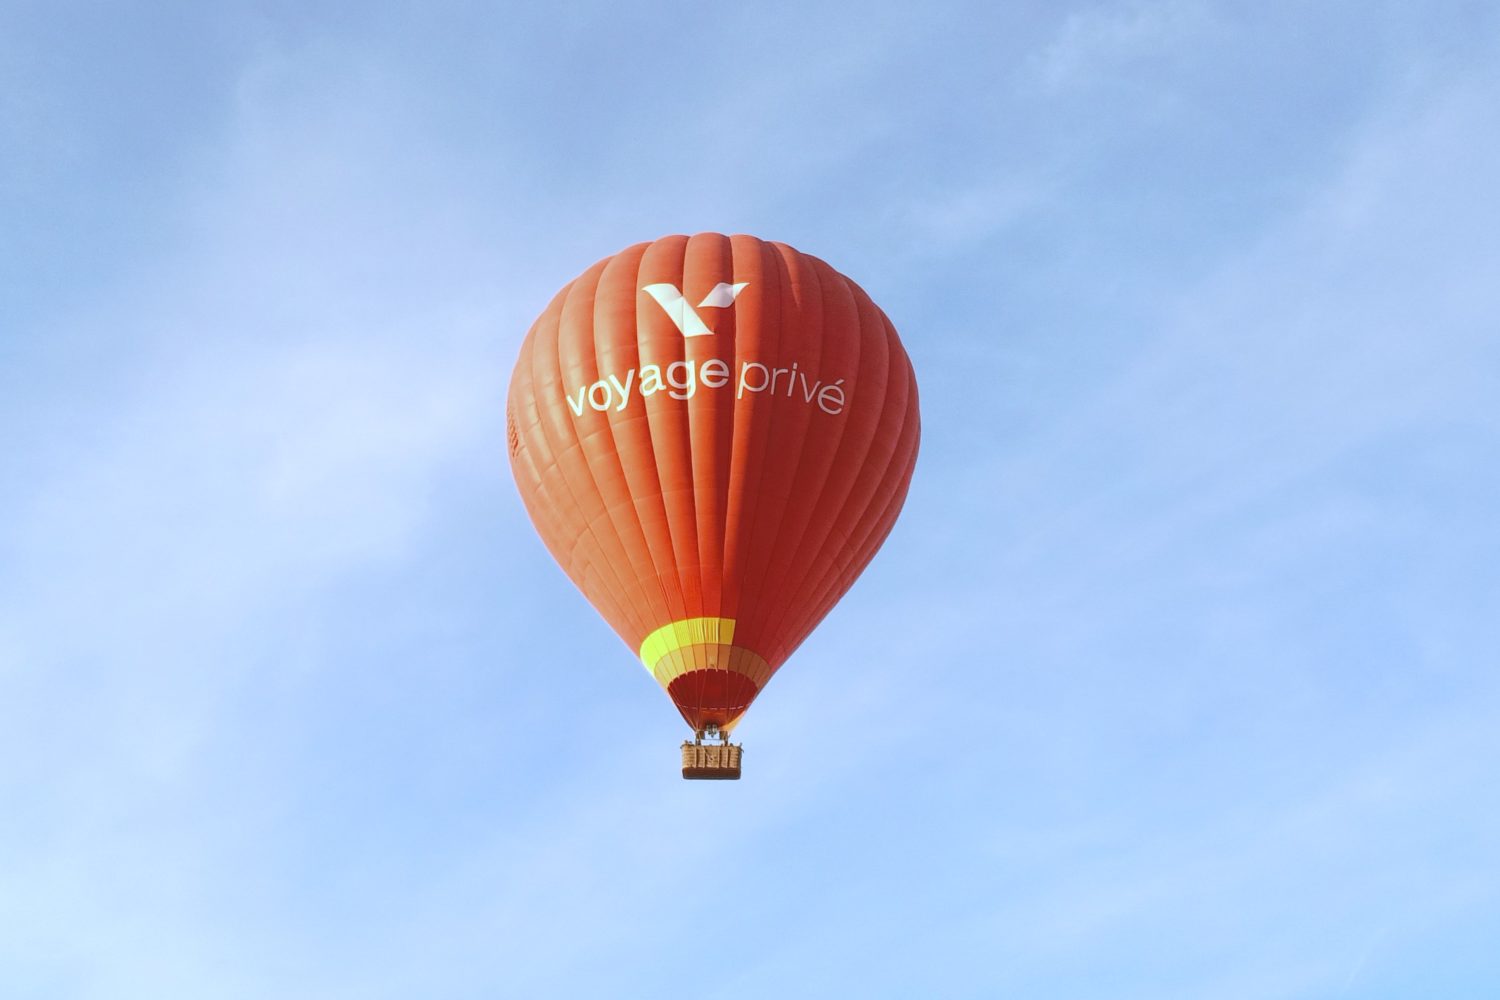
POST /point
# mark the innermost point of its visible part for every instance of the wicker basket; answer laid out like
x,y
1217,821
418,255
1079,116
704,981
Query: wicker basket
x,y
714,761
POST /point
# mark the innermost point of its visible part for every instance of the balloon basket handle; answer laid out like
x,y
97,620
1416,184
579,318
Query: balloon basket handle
x,y
711,761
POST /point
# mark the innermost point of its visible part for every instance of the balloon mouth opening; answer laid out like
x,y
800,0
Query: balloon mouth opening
x,y
712,697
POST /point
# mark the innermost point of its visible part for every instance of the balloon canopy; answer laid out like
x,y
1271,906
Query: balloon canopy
x,y
713,435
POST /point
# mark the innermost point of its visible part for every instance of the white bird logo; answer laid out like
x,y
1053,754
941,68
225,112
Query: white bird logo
x,y
669,298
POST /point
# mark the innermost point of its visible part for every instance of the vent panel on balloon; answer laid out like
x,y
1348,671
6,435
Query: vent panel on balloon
x,y
711,761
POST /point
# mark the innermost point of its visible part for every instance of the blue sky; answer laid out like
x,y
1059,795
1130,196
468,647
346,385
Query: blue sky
x,y
1176,679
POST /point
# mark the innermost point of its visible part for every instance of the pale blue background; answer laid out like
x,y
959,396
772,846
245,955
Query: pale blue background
x,y
1178,678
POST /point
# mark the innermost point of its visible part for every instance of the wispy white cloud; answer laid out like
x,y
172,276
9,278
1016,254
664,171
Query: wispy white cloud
x,y
1099,42
957,220
1259,532
285,406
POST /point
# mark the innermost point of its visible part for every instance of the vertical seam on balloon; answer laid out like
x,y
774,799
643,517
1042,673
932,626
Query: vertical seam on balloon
x,y
536,357
887,493
577,437
681,612
589,556
837,545
767,634
726,658
724,498
879,529
724,247
749,596
629,587
828,547
621,525
788,595
697,654
674,610
686,446
756,447
869,546
827,593
646,544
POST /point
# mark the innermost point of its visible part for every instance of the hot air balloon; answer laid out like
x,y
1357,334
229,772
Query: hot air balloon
x,y
713,435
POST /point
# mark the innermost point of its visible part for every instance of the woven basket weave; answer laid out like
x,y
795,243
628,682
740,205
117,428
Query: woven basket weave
x,y
711,760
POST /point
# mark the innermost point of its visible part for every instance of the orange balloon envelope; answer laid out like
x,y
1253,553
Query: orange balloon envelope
x,y
713,435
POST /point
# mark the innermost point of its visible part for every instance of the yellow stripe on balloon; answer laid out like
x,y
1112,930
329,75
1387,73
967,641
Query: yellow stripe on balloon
x,y
687,632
